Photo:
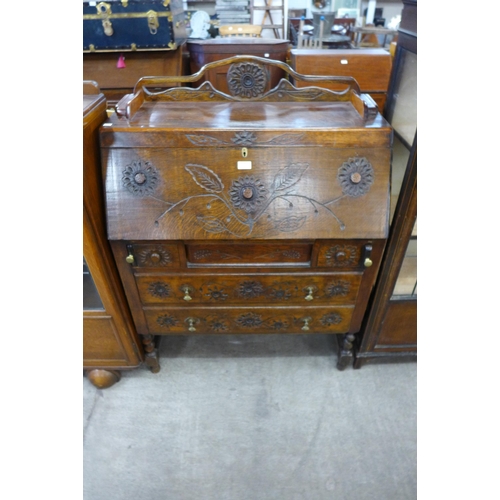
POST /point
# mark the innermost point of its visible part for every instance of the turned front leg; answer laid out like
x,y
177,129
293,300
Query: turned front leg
x,y
346,354
151,359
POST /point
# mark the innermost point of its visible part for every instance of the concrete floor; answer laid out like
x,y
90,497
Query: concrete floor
x,y
252,418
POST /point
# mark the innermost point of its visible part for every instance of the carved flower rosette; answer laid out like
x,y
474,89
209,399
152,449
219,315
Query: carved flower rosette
x,y
246,80
140,178
356,177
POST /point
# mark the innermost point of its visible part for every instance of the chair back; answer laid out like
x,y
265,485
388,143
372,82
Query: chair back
x,y
251,30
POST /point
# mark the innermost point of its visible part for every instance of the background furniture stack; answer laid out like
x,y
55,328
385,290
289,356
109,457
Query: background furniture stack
x,y
124,41
270,14
233,12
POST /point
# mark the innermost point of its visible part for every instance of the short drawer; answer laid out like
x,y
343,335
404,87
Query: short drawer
x,y
343,255
235,254
230,289
227,320
154,255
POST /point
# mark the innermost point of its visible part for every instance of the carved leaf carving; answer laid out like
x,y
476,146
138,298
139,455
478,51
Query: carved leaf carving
x,y
205,178
290,223
212,224
289,176
285,139
204,140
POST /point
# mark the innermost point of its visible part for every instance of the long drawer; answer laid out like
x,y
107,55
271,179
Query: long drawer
x,y
229,289
163,321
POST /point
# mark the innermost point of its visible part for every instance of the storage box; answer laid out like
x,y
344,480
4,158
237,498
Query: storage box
x,y
371,68
130,25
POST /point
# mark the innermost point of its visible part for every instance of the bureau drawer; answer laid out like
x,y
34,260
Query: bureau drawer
x,y
229,289
154,255
343,255
248,320
235,254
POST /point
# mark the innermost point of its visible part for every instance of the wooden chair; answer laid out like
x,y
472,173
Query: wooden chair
x,y
308,41
251,30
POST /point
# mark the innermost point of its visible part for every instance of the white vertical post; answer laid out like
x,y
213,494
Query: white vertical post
x,y
370,13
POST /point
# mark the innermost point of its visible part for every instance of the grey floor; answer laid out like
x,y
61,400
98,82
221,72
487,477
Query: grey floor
x,y
252,418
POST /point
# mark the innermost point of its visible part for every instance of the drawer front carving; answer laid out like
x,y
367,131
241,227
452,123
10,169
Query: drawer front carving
x,y
248,320
249,254
223,290
343,255
260,193
153,255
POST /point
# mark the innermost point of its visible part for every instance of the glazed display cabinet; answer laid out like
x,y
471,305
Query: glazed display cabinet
x,y
390,328
110,342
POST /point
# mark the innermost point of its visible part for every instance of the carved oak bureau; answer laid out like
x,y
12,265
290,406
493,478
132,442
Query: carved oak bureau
x,y
247,212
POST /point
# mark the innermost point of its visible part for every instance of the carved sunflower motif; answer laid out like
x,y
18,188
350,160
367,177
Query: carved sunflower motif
x,y
355,177
250,289
140,178
216,294
155,257
331,319
246,80
218,325
247,193
250,320
159,289
278,325
339,288
167,321
279,293
342,256
244,138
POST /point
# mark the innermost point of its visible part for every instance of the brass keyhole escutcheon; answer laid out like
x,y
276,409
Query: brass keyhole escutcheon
x,y
310,291
153,22
244,152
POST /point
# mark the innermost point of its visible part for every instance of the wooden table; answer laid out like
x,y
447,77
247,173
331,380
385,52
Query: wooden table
x,y
360,32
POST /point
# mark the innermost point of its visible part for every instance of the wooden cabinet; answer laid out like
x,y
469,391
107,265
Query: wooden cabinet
x,y
370,67
390,329
116,73
257,212
110,342
202,52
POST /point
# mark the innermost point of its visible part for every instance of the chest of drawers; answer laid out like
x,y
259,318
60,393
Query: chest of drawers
x,y
250,212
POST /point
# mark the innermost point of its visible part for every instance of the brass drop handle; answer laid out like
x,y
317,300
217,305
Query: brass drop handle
x,y
187,291
306,324
310,291
368,252
191,322
130,257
